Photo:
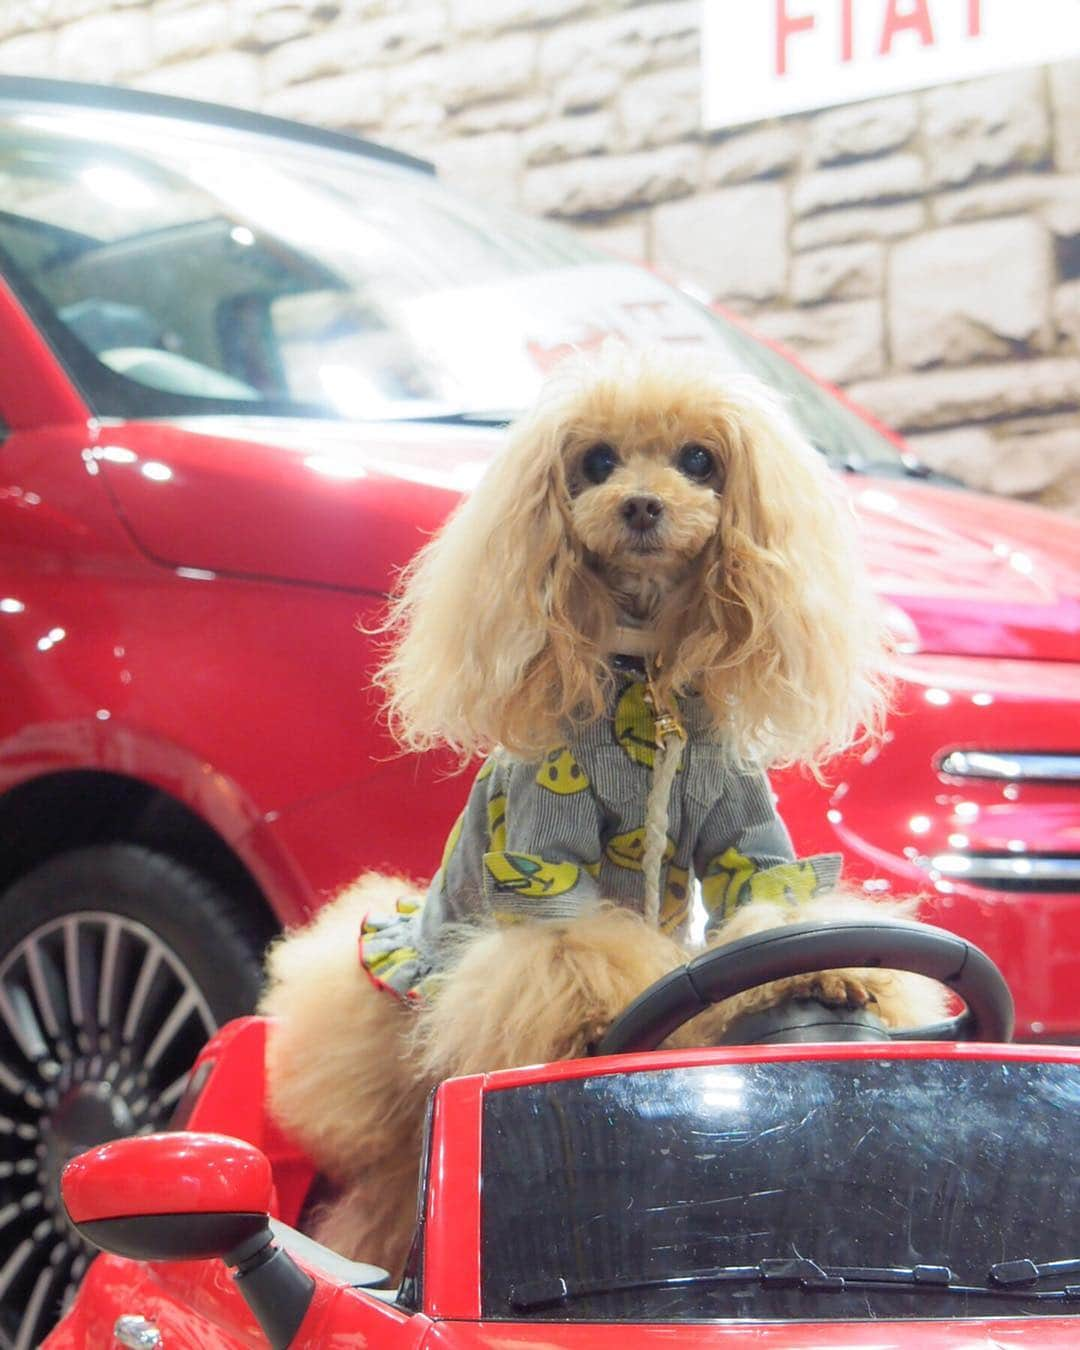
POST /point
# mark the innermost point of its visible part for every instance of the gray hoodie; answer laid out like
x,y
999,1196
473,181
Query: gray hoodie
x,y
548,838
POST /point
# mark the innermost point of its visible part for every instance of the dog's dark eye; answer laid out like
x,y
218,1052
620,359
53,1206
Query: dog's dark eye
x,y
599,463
695,461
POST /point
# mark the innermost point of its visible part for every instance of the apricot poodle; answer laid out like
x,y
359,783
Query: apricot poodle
x,y
653,596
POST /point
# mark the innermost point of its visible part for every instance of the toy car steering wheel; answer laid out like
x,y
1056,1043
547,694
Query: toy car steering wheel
x,y
806,948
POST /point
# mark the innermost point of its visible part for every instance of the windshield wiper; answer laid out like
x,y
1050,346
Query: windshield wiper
x,y
904,466
468,417
806,1275
1025,1272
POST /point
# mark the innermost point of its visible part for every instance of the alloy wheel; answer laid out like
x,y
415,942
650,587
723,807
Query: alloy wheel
x,y
99,1024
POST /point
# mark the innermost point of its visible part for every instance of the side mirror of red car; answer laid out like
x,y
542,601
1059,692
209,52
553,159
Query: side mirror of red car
x,y
185,1196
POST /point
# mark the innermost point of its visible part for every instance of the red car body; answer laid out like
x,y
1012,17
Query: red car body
x,y
189,588
257,574
138,581
195,1304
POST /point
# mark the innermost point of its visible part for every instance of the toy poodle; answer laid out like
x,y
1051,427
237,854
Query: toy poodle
x,y
653,595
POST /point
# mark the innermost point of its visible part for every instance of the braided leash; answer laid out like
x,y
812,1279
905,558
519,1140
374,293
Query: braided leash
x,y
670,740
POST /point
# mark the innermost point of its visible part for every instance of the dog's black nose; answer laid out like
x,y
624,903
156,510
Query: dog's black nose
x,y
642,513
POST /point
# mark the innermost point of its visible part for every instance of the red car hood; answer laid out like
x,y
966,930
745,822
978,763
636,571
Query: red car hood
x,y
978,576
1044,1333
345,504
334,504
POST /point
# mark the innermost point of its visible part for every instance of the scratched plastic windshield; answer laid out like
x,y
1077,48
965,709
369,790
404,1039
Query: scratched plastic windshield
x,y
618,1185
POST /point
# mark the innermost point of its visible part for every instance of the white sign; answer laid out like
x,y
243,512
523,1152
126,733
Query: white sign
x,y
765,58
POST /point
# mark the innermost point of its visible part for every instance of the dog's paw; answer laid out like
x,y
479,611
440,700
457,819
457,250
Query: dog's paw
x,y
833,988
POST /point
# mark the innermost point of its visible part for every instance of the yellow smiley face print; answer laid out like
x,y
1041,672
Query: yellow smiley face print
x,y
628,850
635,725
525,874
676,900
732,880
496,812
560,772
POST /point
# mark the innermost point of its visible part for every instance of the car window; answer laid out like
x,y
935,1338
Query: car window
x,y
182,268
617,1184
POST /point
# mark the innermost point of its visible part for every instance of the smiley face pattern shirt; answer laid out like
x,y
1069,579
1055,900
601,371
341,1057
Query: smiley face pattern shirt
x,y
546,839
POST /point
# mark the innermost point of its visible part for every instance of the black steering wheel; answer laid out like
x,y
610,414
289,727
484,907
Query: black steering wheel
x,y
805,949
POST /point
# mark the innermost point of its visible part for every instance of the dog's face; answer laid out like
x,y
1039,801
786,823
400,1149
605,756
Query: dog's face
x,y
645,489
645,484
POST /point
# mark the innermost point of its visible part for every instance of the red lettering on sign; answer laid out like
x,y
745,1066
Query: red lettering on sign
x,y
917,17
847,30
974,18
786,25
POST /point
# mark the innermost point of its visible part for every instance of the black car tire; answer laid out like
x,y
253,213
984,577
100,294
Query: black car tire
x,y
116,964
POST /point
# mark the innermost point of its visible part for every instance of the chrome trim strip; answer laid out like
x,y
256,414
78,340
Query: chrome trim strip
x,y
1021,871
136,1331
1047,766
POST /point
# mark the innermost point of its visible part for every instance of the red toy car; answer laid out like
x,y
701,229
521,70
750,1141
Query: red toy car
x,y
775,1195
247,366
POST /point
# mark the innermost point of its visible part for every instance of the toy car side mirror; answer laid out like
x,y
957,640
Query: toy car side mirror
x,y
169,1197
185,1196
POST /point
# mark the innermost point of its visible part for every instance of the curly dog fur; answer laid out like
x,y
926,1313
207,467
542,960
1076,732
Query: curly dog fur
x,y
750,584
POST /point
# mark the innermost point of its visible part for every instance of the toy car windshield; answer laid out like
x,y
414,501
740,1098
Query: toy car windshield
x,y
659,1196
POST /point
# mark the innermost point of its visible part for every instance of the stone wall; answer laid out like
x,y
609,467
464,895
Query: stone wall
x,y
922,250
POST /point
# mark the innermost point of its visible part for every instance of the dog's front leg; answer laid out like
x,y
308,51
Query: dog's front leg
x,y
899,998
537,991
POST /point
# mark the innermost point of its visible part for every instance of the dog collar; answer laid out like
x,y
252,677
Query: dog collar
x,y
633,642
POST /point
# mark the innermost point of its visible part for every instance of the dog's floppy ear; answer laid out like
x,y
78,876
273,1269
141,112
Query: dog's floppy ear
x,y
490,621
784,635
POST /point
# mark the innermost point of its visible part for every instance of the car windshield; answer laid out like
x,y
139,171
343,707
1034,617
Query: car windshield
x,y
182,268
699,1193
